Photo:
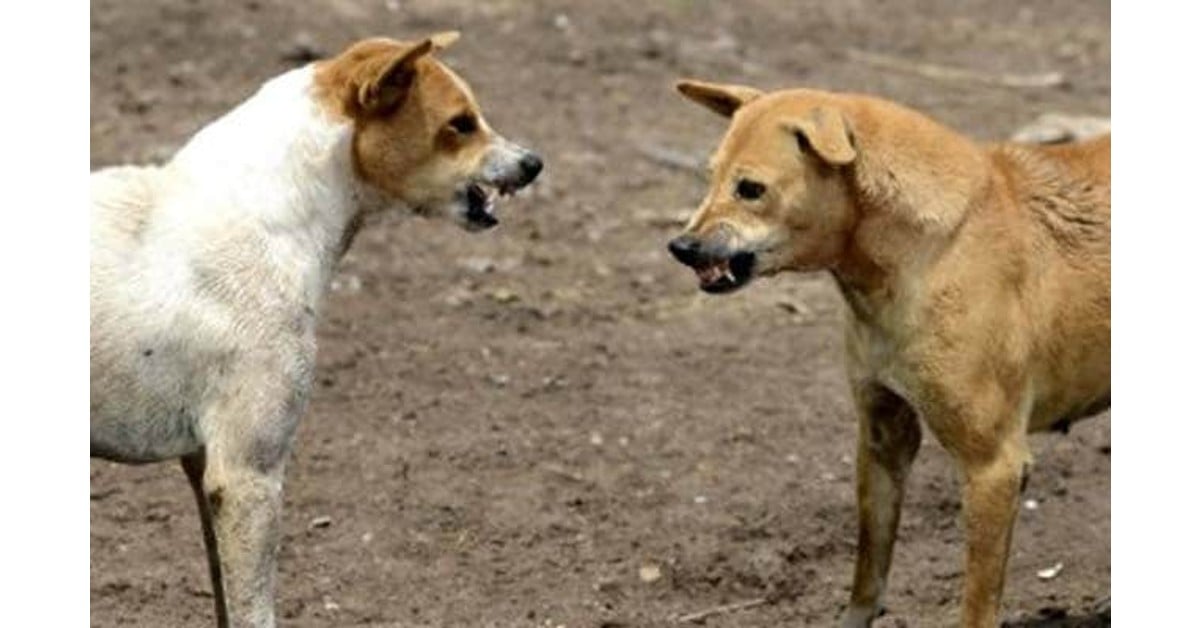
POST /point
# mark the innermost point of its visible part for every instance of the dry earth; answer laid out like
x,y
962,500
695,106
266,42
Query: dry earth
x,y
508,427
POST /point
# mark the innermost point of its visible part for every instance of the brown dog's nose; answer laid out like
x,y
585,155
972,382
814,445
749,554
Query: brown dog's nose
x,y
686,249
531,167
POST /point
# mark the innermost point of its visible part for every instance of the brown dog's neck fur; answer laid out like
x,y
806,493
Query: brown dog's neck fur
x,y
864,282
882,247
869,271
862,274
911,198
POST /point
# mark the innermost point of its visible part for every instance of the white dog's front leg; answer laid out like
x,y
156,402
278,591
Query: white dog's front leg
x,y
245,504
194,466
248,433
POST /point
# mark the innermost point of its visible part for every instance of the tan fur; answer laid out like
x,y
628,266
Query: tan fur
x,y
977,279
370,81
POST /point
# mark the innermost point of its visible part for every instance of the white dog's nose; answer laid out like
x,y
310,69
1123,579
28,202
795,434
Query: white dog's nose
x,y
531,166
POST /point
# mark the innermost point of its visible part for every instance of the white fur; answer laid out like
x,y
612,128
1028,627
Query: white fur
x,y
277,165
262,195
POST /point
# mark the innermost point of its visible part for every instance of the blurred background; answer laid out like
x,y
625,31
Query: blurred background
x,y
547,424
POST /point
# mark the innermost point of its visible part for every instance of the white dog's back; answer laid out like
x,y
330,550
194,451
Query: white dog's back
x,y
123,204
122,200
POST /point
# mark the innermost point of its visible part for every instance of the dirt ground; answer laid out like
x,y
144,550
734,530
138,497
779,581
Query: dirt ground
x,y
508,427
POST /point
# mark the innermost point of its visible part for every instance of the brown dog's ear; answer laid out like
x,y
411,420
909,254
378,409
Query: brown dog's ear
x,y
444,40
826,131
723,99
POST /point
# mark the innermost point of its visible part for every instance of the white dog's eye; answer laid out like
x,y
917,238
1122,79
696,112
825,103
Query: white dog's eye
x,y
464,124
748,190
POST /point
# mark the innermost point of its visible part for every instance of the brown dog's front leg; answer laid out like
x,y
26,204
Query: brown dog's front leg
x,y
990,508
889,436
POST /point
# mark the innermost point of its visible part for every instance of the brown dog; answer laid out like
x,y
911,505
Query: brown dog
x,y
977,279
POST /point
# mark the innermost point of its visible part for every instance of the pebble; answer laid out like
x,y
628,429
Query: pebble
x,y
794,307
1050,573
649,573
346,283
504,295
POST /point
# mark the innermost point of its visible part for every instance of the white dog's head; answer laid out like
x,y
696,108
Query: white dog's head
x,y
419,135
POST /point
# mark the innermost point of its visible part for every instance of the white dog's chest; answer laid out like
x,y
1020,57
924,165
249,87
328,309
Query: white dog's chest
x,y
192,301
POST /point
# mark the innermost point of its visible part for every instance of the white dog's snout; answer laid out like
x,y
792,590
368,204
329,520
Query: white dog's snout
x,y
508,161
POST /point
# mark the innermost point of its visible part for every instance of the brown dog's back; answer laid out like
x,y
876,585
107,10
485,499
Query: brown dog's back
x,y
1089,159
1063,195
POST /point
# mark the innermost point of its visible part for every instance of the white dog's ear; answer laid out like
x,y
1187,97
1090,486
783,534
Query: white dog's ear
x,y
825,130
385,79
723,99
373,76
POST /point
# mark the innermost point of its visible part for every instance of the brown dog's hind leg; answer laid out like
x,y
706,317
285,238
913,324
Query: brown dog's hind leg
x,y
889,436
193,466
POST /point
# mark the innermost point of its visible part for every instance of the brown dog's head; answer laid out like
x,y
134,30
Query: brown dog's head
x,y
419,136
778,198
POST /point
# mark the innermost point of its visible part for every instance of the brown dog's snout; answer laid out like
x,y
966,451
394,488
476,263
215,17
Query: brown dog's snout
x,y
686,248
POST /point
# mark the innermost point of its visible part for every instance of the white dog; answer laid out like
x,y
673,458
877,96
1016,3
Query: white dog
x,y
207,274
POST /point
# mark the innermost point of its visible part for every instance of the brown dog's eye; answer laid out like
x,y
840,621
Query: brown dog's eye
x,y
464,124
748,190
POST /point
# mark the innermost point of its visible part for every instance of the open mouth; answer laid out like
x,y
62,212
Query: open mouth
x,y
481,203
718,276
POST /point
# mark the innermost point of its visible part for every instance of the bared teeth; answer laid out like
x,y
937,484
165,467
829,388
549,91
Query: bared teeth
x,y
490,196
714,273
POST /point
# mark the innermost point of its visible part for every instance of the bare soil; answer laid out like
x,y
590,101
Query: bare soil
x,y
508,427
